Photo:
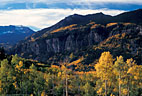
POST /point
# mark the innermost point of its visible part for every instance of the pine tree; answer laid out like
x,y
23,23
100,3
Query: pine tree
x,y
6,76
88,89
15,60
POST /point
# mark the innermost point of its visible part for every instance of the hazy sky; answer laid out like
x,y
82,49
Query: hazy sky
x,y
39,14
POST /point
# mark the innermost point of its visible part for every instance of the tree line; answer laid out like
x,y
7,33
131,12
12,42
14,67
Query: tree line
x,y
110,77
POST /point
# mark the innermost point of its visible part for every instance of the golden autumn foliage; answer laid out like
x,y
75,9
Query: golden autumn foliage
x,y
111,24
110,77
76,62
100,91
125,91
64,28
126,24
104,66
91,23
19,65
43,93
54,66
95,25
114,41
32,39
130,62
104,69
15,85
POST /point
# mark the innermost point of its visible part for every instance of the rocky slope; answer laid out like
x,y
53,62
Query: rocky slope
x,y
73,38
68,38
77,34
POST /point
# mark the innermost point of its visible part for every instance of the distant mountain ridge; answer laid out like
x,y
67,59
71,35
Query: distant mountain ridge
x,y
12,34
77,32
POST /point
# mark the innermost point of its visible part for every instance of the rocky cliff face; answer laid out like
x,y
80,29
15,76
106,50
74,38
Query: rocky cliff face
x,y
73,38
64,39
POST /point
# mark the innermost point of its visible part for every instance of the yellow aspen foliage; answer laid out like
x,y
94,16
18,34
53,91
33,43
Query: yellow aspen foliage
x,y
15,85
46,77
70,86
77,61
100,91
115,90
125,91
63,67
104,69
14,77
124,82
26,70
33,67
71,56
136,72
59,74
119,66
130,62
95,25
64,28
111,24
121,82
19,65
135,77
119,70
43,93
54,66
130,70
112,95
104,66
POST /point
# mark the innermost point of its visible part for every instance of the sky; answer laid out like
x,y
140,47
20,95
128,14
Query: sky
x,y
39,14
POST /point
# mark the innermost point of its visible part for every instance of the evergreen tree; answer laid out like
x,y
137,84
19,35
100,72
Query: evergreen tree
x,y
6,77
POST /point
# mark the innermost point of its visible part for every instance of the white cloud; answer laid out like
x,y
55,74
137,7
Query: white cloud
x,y
42,18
